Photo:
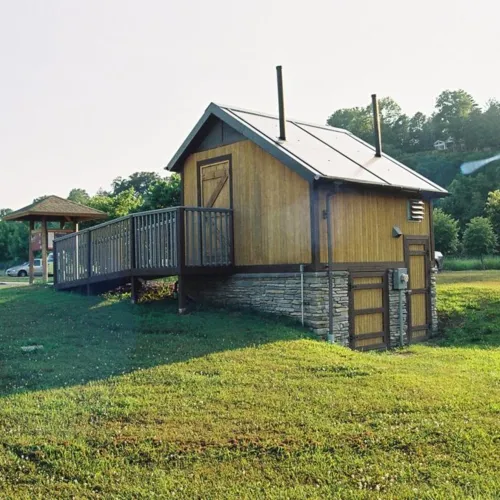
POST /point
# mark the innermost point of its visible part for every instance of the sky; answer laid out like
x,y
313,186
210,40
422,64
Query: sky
x,y
96,89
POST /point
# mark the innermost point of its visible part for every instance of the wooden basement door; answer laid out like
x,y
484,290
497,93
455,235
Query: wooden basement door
x,y
214,192
368,318
418,263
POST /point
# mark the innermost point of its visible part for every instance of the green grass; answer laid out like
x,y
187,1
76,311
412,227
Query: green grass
x,y
14,279
468,264
447,277
136,402
469,308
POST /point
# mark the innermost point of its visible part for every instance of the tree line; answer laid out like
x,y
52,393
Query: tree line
x,y
468,221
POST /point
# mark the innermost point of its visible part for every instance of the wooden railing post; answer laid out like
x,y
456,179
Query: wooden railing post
x,y
54,263
181,239
231,242
89,254
181,258
132,243
134,283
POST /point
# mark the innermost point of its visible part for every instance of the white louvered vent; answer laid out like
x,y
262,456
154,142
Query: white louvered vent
x,y
416,210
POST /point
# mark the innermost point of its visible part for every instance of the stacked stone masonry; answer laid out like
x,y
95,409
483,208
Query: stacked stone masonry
x,y
280,293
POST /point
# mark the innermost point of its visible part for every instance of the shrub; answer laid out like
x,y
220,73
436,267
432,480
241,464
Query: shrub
x,y
479,238
445,232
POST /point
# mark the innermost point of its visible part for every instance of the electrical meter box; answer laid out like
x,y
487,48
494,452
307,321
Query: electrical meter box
x,y
400,279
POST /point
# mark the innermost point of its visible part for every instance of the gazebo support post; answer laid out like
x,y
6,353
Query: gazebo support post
x,y
31,271
44,250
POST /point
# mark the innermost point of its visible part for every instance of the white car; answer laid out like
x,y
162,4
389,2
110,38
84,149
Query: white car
x,y
23,270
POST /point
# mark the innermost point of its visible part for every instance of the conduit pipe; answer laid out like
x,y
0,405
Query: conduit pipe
x,y
302,292
329,236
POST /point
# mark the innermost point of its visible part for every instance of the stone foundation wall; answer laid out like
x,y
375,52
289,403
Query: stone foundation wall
x,y
280,293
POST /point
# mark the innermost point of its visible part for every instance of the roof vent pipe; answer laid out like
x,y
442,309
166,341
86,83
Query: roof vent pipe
x,y
376,127
281,104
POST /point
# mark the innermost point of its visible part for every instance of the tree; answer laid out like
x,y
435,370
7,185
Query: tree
x,y
492,210
453,107
14,240
140,182
479,238
445,232
356,120
79,196
164,193
124,203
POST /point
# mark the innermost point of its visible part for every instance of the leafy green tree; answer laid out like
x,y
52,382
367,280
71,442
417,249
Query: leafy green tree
x,y
140,182
453,107
79,196
163,193
479,238
492,210
14,240
124,203
445,232
356,120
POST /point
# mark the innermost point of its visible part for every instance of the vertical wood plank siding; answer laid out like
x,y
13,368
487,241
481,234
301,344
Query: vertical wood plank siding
x,y
271,205
363,223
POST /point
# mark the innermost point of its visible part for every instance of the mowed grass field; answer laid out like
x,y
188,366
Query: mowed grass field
x,y
136,402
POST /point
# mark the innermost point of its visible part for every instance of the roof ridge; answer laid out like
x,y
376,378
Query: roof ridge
x,y
276,117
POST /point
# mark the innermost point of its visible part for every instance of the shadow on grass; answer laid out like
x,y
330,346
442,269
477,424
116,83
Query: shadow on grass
x,y
469,316
475,330
90,338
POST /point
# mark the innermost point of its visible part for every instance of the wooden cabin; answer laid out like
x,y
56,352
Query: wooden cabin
x,y
290,197
285,217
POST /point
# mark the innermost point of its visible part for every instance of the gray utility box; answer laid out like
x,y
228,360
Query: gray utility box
x,y
400,279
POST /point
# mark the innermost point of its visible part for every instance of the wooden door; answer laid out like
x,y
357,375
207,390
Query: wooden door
x,y
214,191
418,262
368,310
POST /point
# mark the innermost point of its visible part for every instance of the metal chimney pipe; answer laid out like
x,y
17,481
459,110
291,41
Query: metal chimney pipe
x,y
281,104
376,126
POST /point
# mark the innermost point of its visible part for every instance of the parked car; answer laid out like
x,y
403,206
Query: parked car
x,y
438,259
24,269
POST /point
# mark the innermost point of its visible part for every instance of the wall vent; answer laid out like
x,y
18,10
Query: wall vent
x,y
416,210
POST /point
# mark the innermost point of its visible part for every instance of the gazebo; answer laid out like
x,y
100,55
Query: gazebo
x,y
52,209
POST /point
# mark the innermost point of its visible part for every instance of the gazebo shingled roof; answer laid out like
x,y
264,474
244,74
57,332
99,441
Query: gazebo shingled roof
x,y
54,208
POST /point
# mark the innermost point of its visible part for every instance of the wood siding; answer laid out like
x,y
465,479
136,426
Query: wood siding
x,y
271,205
363,223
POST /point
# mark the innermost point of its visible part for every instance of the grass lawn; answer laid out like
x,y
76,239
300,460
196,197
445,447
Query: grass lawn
x,y
470,264
136,402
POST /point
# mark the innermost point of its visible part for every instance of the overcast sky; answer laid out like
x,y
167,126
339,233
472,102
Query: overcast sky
x,y
95,89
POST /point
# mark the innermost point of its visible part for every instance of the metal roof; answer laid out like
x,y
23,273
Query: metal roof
x,y
315,151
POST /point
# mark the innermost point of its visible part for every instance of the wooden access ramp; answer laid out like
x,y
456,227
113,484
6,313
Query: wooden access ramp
x,y
168,242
